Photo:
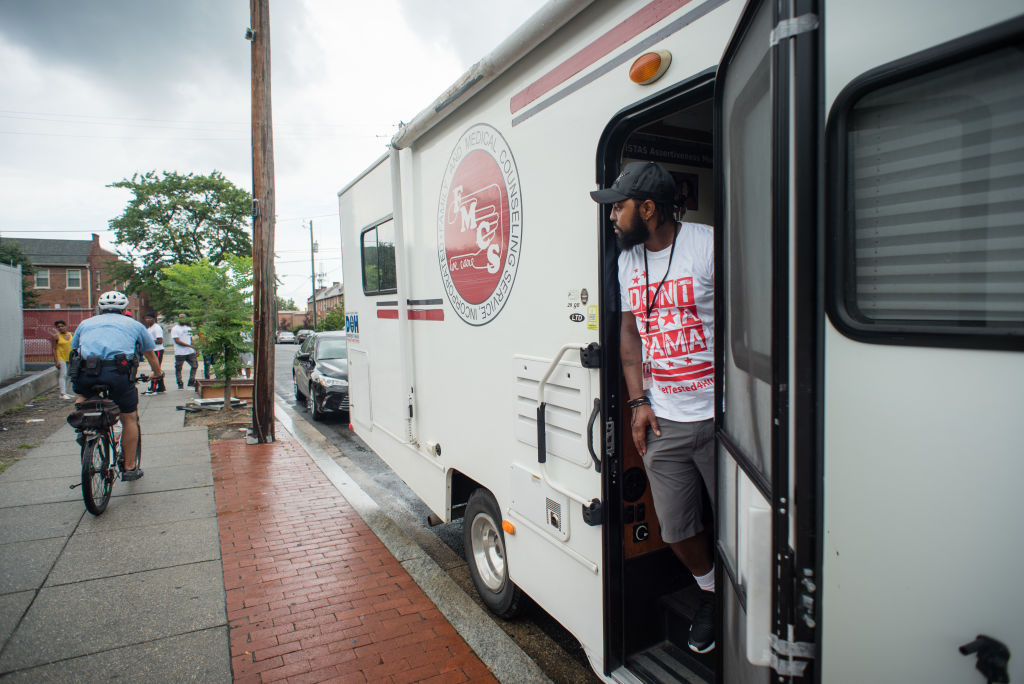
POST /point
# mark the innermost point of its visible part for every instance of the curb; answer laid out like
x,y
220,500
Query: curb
x,y
27,389
502,656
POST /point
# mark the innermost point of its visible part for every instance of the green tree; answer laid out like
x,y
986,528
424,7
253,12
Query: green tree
x,y
10,253
332,320
217,298
175,218
284,304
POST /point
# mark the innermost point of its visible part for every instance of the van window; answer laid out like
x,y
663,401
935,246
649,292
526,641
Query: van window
x,y
933,218
377,246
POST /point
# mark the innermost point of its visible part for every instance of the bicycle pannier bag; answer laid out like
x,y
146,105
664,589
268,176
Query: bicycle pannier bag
x,y
96,414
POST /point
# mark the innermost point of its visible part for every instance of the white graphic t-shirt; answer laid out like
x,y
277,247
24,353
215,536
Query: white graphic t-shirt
x,y
679,341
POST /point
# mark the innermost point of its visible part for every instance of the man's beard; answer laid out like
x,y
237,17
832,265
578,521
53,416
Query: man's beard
x,y
638,233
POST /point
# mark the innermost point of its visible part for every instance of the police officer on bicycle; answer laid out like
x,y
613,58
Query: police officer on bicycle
x,y
109,347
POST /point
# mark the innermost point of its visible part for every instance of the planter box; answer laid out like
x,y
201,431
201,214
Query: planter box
x,y
241,388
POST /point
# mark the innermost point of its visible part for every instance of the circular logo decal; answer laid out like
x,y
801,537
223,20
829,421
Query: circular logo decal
x,y
479,225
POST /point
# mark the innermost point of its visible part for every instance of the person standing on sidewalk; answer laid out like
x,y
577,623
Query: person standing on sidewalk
x,y
61,342
116,341
666,290
184,351
156,385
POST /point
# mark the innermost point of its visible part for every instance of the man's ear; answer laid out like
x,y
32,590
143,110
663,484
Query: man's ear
x,y
646,208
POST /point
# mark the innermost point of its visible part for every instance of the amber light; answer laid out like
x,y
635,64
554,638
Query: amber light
x,y
508,527
649,67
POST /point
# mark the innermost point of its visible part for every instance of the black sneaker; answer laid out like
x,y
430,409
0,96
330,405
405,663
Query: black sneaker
x,y
132,475
702,630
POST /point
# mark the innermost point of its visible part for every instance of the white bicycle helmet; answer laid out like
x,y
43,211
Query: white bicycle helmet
x,y
112,301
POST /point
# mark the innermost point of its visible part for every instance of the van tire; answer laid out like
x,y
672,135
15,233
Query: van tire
x,y
484,542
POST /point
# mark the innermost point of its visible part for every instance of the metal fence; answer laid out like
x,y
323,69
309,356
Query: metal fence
x,y
39,330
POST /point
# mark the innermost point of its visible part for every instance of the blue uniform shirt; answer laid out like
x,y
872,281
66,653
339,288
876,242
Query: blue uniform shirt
x,y
109,334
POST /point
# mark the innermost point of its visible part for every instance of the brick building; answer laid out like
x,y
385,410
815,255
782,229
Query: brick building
x,y
327,298
71,274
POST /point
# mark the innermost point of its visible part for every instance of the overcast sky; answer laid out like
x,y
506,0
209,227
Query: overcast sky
x,y
92,92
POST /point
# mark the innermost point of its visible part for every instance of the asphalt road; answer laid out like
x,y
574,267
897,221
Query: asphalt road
x,y
556,651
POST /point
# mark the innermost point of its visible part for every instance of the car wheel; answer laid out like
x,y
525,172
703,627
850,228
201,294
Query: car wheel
x,y
311,404
295,389
485,554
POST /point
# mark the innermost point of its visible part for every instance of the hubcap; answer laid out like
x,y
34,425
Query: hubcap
x,y
488,551
310,401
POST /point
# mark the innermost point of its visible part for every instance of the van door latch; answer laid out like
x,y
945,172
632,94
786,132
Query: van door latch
x,y
590,356
593,514
992,657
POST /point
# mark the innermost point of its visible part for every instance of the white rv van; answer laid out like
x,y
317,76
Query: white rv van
x,y
862,164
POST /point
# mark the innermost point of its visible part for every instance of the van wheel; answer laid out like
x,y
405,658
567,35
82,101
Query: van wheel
x,y
485,553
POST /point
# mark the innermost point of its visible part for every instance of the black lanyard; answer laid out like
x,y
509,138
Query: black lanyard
x,y
647,283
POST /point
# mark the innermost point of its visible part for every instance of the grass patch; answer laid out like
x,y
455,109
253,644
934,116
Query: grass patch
x,y
27,446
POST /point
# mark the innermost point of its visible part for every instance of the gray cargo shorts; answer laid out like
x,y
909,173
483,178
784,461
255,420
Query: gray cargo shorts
x,y
679,464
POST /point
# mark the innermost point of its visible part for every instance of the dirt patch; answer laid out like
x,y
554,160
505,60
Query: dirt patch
x,y
26,426
227,424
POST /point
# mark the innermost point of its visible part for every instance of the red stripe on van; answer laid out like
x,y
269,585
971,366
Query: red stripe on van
x,y
426,314
387,313
647,17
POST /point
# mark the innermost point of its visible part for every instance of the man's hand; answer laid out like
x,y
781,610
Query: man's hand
x,y
642,417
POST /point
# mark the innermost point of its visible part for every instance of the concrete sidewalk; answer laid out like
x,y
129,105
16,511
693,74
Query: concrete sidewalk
x,y
138,593
129,593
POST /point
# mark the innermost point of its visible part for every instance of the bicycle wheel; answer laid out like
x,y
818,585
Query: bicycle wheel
x,y
97,475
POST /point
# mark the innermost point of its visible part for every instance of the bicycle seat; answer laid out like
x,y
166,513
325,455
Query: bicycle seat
x,y
99,390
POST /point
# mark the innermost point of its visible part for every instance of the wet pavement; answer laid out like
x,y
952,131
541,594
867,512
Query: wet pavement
x,y
226,561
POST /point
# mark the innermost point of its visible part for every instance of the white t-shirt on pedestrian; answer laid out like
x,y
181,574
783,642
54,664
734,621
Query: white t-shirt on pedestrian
x,y
183,333
155,331
680,340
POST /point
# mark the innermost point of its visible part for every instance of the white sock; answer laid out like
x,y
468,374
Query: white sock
x,y
706,582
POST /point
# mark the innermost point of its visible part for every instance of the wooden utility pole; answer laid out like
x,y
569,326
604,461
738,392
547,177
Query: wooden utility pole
x,y
264,316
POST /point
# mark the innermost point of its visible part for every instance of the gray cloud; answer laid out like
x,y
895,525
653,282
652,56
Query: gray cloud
x,y
469,33
132,44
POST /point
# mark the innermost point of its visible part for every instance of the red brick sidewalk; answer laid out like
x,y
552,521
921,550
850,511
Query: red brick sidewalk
x,y
312,594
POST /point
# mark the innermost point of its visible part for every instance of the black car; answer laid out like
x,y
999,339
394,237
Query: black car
x,y
303,335
320,373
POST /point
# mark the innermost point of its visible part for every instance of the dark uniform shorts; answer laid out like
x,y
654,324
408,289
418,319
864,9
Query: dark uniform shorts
x,y
122,389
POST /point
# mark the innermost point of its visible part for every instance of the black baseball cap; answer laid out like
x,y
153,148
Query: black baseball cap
x,y
639,180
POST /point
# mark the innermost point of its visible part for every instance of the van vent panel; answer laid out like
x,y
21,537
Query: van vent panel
x,y
568,398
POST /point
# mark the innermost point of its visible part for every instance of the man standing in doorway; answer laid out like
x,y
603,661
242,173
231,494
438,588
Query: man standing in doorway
x,y
156,385
666,288
184,351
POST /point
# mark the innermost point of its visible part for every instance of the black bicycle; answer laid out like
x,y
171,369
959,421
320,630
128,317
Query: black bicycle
x,y
97,422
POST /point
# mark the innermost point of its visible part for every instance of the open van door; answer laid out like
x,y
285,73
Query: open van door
x,y
767,342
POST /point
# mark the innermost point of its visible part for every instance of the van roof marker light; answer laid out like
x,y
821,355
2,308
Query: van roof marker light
x,y
649,67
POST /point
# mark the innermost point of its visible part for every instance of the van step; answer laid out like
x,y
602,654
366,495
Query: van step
x,y
663,664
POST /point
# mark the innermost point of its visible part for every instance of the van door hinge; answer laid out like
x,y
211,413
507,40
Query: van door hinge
x,y
787,28
784,652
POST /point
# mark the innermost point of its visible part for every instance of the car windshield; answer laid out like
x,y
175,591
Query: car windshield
x,y
332,349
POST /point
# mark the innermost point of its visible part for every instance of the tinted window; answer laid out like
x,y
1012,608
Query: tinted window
x,y
378,255
934,215
332,348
